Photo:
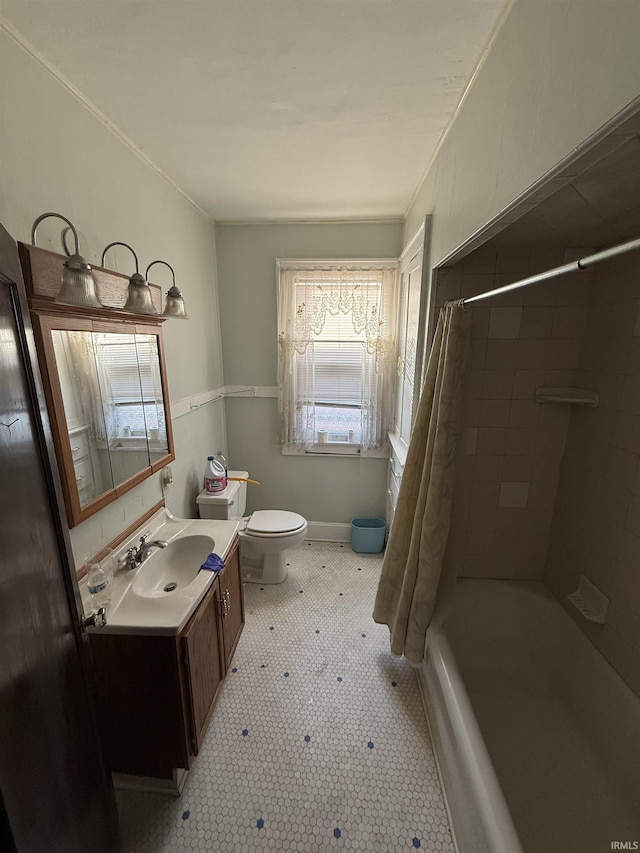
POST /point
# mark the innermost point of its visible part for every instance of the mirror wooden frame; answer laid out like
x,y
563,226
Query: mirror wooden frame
x,y
42,271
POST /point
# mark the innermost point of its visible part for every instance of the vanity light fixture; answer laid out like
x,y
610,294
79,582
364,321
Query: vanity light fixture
x,y
139,298
174,305
78,286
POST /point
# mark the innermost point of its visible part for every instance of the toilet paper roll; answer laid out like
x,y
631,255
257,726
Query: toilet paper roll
x,y
322,436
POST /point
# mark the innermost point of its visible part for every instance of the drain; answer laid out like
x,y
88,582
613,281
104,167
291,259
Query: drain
x,y
170,586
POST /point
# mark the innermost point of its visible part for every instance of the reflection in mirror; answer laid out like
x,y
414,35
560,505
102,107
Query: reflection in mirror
x,y
75,360
122,403
114,406
155,424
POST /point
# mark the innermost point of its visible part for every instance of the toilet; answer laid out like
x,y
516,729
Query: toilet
x,y
265,535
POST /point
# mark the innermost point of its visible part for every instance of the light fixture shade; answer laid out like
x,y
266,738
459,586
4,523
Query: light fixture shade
x,y
174,305
139,298
78,286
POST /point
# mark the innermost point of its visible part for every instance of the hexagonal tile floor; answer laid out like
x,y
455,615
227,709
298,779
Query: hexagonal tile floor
x,y
318,741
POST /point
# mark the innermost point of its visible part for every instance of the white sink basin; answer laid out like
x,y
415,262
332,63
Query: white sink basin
x,y
139,602
173,568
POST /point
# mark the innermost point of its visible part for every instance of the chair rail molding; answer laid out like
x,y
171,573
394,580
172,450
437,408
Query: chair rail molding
x,y
196,401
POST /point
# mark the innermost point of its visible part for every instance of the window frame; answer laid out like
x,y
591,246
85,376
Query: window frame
x,y
339,448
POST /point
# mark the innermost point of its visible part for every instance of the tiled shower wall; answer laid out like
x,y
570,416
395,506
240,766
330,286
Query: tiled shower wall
x,y
510,446
596,525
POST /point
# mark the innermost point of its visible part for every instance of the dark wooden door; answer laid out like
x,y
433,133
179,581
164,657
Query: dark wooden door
x,y
231,592
56,795
203,662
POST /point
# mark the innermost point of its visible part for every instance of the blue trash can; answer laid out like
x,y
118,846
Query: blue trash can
x,y
367,535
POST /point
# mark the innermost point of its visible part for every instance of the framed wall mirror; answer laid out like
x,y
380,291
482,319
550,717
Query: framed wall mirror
x,y
107,397
105,382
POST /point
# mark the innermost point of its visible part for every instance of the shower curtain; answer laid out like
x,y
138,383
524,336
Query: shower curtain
x,y
413,560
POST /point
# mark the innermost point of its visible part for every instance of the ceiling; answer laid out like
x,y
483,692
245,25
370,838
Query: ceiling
x,y
271,109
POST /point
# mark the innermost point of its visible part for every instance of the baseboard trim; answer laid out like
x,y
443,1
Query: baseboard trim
x,y
327,531
147,784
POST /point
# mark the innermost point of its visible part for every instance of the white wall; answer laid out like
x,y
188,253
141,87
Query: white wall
x,y
557,71
57,155
322,489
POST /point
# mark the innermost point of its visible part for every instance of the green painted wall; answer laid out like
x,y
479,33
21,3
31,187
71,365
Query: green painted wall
x,y
321,489
57,155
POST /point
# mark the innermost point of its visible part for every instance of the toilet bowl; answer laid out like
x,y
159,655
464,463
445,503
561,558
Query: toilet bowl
x,y
265,536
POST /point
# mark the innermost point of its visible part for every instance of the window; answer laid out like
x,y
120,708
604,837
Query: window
x,y
336,323
130,384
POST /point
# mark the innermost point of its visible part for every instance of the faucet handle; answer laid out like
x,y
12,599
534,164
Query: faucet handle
x,y
128,560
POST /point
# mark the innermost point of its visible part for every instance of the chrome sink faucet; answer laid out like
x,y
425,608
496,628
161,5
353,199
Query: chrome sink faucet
x,y
144,548
136,555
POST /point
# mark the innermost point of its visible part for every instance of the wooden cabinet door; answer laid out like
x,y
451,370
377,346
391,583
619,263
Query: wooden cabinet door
x,y
204,663
232,600
142,703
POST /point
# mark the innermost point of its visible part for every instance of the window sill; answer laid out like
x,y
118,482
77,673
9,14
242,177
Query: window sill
x,y
336,448
132,442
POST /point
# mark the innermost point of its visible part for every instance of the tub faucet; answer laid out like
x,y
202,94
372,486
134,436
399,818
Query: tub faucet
x,y
136,555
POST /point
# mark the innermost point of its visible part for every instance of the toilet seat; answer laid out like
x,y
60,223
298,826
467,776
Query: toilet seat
x,y
273,523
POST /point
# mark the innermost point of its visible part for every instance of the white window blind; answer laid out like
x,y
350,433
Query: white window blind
x,y
338,373
129,379
119,359
339,355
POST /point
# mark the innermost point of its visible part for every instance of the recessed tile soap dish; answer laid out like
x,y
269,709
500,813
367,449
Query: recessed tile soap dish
x,y
575,396
592,603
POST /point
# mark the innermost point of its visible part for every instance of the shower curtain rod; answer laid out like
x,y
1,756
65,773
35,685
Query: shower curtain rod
x,y
580,264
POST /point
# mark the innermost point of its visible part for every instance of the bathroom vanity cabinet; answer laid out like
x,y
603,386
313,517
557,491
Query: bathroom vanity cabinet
x,y
156,693
209,641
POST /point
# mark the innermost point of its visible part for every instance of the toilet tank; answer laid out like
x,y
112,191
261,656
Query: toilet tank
x,y
229,503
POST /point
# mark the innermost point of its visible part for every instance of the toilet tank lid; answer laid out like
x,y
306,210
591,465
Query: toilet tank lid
x,y
226,496
274,521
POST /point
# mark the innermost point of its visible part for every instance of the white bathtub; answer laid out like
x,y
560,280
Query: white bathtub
x,y
538,738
